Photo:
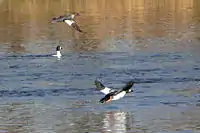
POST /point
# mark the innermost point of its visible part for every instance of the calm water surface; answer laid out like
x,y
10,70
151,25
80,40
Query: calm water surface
x,y
156,43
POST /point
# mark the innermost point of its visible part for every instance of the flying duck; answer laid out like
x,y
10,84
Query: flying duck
x,y
113,94
68,19
58,53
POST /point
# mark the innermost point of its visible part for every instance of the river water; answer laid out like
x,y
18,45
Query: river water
x,y
155,43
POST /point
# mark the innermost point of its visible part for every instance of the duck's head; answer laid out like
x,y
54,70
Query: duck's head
x,y
128,87
75,14
58,48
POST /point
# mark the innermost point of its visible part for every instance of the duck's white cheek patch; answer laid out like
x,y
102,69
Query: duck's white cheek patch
x,y
69,22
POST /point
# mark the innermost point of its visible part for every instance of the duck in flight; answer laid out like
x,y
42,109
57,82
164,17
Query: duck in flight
x,y
68,19
58,53
113,94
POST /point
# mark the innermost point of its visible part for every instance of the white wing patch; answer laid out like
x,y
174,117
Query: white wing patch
x,y
106,90
69,22
120,95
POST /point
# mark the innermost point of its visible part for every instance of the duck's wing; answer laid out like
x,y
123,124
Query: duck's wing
x,y
76,27
68,17
58,19
102,88
73,24
61,18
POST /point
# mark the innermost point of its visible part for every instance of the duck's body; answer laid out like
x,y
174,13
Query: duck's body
x,y
68,19
58,53
64,17
112,94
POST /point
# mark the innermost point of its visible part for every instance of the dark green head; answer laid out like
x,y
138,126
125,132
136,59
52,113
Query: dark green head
x,y
58,48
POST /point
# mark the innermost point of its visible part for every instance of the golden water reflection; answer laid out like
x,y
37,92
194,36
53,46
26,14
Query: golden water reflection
x,y
110,25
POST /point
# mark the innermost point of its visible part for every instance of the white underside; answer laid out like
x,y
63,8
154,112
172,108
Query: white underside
x,y
106,90
69,22
120,95
58,54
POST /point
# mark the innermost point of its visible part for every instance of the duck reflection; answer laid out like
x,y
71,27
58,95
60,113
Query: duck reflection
x,y
115,122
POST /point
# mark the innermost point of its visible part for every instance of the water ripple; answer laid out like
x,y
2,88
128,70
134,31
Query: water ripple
x,y
37,93
165,80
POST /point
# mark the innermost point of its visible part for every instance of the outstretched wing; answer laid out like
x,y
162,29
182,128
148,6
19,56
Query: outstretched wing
x,y
68,17
58,19
76,27
62,18
102,88
73,24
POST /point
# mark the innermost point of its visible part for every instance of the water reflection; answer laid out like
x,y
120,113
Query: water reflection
x,y
162,34
143,24
55,115
115,122
16,47
15,117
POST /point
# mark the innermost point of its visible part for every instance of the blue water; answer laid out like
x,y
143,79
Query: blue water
x,y
40,93
155,43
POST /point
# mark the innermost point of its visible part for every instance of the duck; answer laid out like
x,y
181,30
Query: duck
x,y
58,53
68,19
62,17
113,94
